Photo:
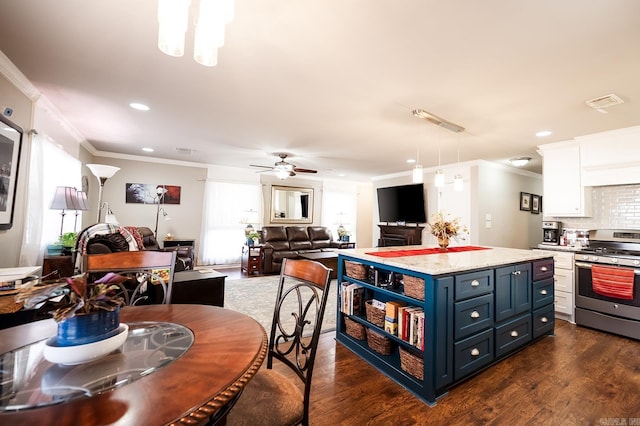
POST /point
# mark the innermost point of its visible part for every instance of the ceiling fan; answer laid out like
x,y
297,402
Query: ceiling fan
x,y
284,169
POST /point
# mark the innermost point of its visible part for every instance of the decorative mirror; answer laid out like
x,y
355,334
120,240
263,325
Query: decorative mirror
x,y
291,205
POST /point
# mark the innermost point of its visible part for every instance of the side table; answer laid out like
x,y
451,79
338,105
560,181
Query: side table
x,y
63,264
251,259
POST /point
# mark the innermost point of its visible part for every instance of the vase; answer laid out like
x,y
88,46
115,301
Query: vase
x,y
443,242
88,328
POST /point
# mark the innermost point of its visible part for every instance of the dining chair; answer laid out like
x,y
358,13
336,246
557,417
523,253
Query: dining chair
x,y
149,270
270,397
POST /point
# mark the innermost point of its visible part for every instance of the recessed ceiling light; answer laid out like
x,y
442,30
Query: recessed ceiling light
x,y
411,161
139,106
147,149
543,133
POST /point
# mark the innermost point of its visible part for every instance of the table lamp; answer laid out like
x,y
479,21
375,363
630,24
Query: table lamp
x,y
102,173
81,200
64,199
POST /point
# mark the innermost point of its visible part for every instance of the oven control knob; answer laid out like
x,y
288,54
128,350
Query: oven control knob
x,y
636,262
614,260
594,258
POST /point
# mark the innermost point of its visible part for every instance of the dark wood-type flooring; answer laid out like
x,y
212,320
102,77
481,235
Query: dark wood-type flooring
x,y
577,377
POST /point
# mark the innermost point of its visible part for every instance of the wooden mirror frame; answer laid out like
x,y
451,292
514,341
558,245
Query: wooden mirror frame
x,y
279,215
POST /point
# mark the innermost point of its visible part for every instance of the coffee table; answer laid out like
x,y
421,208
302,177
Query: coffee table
x,y
327,258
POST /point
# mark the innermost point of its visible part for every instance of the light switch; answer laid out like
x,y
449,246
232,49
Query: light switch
x,y
487,217
487,224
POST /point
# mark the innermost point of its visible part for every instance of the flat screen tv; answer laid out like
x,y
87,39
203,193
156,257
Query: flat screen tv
x,y
403,203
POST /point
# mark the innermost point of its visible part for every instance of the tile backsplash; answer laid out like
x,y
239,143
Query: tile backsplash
x,y
613,207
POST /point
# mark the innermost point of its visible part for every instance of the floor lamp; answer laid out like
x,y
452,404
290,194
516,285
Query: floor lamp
x,y
102,172
160,191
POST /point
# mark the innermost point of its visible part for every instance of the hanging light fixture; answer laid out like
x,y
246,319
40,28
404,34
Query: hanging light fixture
x,y
438,180
458,181
173,22
417,169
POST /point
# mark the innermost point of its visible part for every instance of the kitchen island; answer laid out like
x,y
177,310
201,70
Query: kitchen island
x,y
448,314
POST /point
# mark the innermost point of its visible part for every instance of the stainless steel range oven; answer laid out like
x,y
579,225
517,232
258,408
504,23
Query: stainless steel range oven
x,y
608,282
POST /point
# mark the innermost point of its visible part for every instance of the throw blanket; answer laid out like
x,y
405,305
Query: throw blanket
x,y
612,282
101,229
419,252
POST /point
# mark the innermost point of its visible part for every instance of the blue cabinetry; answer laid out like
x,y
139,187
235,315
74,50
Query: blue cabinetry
x,y
471,320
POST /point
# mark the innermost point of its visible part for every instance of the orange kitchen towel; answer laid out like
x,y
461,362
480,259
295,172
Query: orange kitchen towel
x,y
612,282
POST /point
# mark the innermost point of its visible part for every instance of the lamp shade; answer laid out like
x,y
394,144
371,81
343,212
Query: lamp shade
x,y
102,170
81,200
64,199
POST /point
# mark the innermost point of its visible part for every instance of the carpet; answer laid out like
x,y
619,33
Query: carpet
x,y
256,297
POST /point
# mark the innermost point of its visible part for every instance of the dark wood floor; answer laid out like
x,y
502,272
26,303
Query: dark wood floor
x,y
577,377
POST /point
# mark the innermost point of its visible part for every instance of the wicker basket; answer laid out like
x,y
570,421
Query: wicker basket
x,y
412,364
354,329
378,342
414,287
374,315
355,270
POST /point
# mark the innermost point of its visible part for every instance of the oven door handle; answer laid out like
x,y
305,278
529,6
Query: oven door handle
x,y
588,266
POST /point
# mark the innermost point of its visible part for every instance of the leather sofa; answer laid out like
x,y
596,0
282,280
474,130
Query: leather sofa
x,y
287,242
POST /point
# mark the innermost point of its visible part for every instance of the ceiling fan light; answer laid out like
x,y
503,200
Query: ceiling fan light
x,y
439,179
417,174
282,173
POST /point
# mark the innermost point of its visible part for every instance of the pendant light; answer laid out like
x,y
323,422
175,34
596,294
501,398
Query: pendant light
x,y
417,169
439,177
458,181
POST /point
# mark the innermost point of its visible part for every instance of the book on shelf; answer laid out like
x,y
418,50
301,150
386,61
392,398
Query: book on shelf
x,y
391,316
352,299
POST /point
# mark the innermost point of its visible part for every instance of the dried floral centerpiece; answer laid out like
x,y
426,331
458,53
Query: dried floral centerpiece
x,y
86,312
443,227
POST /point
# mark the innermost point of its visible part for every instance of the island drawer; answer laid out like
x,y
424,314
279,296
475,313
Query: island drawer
x,y
542,269
542,293
513,334
473,353
473,284
543,320
473,315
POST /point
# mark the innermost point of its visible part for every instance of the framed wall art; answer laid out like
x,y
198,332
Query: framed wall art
x,y
10,145
525,201
535,204
147,193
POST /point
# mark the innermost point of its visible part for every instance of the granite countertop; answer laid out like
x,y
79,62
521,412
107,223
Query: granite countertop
x,y
445,263
559,248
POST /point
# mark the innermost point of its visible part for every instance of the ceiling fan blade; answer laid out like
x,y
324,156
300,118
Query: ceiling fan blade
x,y
299,170
264,167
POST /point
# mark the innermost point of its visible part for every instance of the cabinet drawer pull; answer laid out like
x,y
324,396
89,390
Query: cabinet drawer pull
x,y
544,268
543,292
475,352
517,272
514,333
475,314
544,319
475,283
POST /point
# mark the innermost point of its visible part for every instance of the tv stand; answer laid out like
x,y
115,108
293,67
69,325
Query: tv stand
x,y
400,235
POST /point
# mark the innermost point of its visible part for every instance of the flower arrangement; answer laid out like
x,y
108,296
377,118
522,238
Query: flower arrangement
x,y
444,228
74,295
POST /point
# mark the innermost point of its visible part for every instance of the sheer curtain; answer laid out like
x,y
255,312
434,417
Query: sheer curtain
x,y
42,226
339,208
225,205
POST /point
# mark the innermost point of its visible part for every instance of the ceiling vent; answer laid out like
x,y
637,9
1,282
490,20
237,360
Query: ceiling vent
x,y
602,102
184,151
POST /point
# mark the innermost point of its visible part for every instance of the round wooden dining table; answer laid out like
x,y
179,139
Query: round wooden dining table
x,y
226,350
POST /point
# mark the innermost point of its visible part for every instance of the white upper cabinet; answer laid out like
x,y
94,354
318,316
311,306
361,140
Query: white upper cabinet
x,y
564,194
611,158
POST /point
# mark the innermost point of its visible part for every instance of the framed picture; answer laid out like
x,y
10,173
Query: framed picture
x,y
10,145
535,204
147,193
525,201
